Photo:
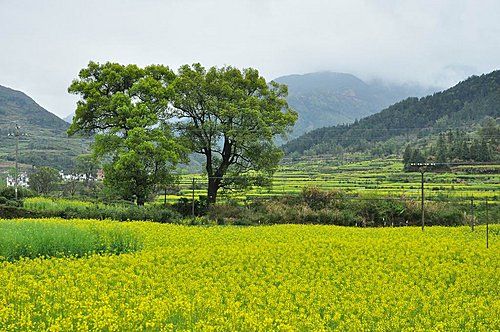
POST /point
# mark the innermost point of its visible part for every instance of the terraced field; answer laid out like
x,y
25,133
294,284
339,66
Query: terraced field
x,y
378,178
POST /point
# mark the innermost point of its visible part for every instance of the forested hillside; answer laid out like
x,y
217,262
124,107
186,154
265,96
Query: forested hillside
x,y
329,98
43,139
465,107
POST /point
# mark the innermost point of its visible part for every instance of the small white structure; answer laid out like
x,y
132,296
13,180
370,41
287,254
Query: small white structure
x,y
22,180
81,177
74,177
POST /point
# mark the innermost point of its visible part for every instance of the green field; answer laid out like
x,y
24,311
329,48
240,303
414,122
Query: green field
x,y
376,178
287,278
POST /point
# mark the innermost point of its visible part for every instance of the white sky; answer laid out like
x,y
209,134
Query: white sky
x,y
43,44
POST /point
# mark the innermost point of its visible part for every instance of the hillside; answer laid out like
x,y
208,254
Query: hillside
x,y
328,98
463,106
43,139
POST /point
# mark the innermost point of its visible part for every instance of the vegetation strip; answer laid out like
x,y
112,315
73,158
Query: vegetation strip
x,y
58,238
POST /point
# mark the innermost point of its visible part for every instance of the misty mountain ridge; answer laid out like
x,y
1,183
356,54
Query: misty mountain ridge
x,y
329,98
464,106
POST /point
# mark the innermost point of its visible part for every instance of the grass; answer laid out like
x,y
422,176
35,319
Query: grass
x,y
42,238
54,204
286,277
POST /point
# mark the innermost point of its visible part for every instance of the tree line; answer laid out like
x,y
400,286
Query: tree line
x,y
459,146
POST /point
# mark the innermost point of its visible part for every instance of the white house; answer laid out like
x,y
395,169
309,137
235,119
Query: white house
x,y
22,180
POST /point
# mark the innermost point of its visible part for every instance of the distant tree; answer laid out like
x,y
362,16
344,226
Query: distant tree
x,y
70,187
231,117
87,165
44,180
124,106
407,155
441,150
475,150
464,150
417,156
490,131
485,153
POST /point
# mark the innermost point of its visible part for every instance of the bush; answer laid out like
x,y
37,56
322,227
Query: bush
x,y
10,193
313,206
184,207
67,209
12,212
132,213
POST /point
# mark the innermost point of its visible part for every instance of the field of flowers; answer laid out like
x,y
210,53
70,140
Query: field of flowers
x,y
286,277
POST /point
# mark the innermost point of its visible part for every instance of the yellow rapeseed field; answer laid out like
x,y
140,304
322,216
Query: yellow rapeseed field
x,y
288,278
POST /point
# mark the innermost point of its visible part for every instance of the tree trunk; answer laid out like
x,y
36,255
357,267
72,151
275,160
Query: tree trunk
x,y
141,200
213,187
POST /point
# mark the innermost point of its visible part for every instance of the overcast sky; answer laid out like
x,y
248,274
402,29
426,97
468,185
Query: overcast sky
x,y
45,43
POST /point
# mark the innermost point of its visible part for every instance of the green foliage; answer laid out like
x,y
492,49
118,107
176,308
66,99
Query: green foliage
x,y
32,239
74,209
44,180
88,165
10,193
314,206
458,146
124,106
184,206
231,117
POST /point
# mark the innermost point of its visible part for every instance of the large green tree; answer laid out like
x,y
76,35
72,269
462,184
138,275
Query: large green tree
x,y
232,117
44,180
124,106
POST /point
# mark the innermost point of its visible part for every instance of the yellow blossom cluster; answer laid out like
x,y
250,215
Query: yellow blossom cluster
x,y
285,277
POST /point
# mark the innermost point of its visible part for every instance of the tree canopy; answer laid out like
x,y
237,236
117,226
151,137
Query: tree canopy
x,y
145,120
44,180
231,117
124,107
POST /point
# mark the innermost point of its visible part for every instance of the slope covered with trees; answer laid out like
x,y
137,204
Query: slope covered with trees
x,y
43,139
465,106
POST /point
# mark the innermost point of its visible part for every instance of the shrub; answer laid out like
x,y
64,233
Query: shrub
x,y
184,206
10,193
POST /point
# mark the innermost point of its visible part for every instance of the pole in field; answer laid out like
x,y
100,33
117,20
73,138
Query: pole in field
x,y
16,179
487,224
422,198
472,213
192,200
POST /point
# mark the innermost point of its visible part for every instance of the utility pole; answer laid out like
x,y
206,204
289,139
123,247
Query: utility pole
x,y
487,224
422,168
192,201
16,179
472,221
422,171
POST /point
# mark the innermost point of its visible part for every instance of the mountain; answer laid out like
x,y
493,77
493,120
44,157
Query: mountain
x,y
463,106
43,140
69,118
329,98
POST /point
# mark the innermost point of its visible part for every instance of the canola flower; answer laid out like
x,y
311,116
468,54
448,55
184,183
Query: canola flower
x,y
282,278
